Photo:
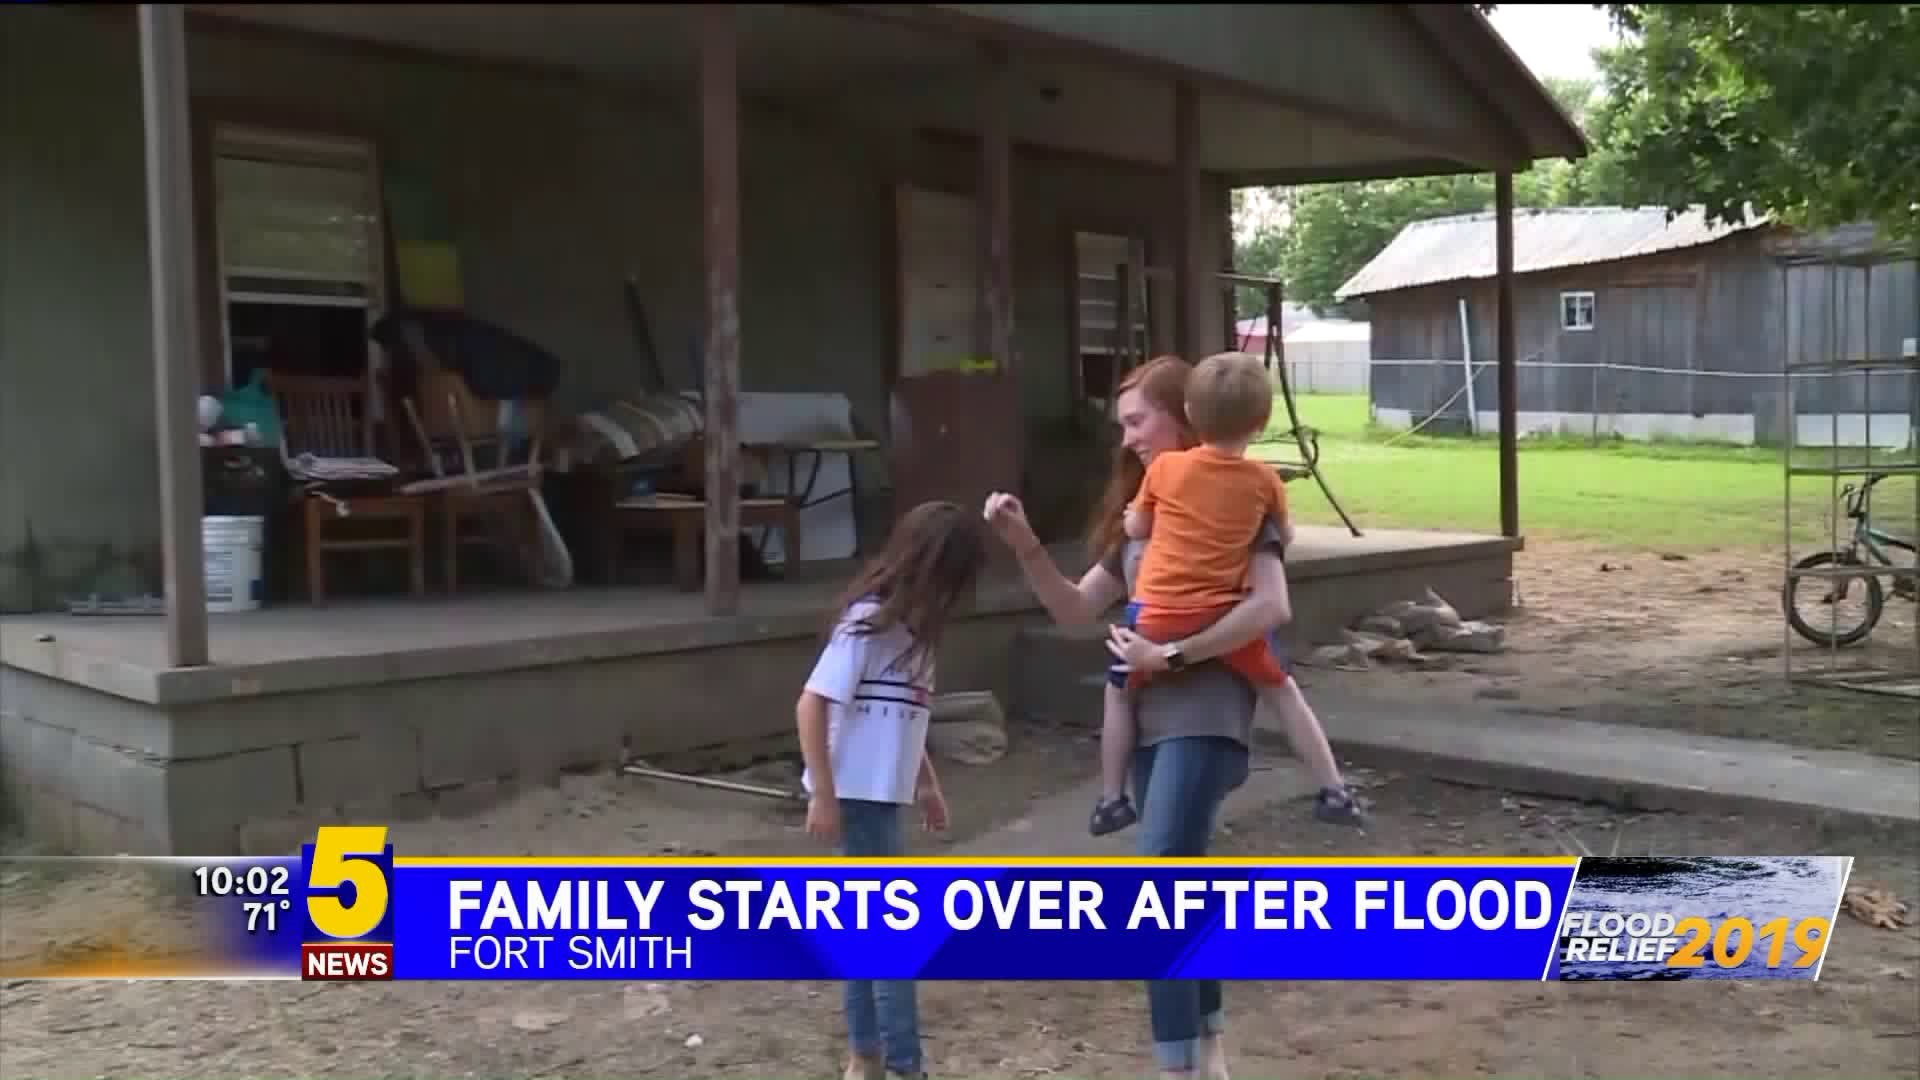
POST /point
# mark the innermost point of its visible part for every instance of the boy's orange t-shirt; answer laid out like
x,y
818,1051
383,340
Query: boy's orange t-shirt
x,y
1207,508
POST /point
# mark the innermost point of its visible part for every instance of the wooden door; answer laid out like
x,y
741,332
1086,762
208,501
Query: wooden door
x,y
956,418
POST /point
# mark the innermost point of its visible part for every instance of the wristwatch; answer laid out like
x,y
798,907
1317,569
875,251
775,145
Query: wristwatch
x,y
1176,660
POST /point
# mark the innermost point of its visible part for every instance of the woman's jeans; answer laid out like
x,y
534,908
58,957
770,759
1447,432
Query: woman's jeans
x,y
1180,784
883,1018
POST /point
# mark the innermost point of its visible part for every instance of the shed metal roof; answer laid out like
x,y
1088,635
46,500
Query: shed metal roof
x,y
1461,248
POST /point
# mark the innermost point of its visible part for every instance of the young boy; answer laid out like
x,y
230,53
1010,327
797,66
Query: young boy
x,y
1202,508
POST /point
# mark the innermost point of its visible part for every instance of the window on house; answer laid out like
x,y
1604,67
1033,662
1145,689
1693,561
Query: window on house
x,y
1576,311
299,241
1100,343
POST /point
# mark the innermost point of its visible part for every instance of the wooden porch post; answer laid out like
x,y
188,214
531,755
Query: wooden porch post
x,y
176,337
1509,373
720,151
1192,278
996,211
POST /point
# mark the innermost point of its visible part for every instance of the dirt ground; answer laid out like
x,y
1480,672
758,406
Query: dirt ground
x,y
1689,642
1859,1021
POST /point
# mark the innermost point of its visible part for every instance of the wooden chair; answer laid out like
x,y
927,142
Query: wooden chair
x,y
476,478
329,418
685,518
678,510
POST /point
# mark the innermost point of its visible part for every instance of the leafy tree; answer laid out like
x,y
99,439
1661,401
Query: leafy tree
x,y
1810,112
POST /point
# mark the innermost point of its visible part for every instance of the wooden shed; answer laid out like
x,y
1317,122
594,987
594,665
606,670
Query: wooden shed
x,y
1631,325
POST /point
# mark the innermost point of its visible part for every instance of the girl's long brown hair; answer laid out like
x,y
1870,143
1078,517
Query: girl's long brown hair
x,y
1163,382
931,562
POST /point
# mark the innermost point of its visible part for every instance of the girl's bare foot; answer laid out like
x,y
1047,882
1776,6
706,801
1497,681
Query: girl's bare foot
x,y
1213,1057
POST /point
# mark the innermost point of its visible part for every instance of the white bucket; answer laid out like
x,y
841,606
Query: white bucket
x,y
235,581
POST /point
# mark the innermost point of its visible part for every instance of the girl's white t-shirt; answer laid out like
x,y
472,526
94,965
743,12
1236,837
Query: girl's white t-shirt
x,y
877,722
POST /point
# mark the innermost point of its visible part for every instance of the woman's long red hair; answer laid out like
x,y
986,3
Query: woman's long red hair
x,y
1163,382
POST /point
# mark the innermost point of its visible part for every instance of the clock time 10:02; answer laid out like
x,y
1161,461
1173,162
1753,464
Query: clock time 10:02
x,y
266,882
263,888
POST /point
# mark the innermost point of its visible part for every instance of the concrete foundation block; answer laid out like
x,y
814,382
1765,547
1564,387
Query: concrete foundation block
x,y
465,800
16,751
379,763
209,798
102,717
16,763
50,757
258,772
99,830
210,729
118,781
46,817
1050,673
277,836
404,807
713,697
531,724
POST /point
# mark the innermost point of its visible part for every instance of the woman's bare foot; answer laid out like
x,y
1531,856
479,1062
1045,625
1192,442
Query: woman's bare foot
x,y
863,1068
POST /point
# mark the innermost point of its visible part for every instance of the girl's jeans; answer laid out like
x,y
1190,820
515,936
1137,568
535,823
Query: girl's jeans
x,y
1180,784
883,1018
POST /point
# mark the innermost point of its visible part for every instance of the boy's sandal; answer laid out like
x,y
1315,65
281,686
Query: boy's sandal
x,y
1112,815
1338,806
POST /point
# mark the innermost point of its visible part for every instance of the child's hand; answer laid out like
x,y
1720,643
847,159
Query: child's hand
x,y
823,819
1134,652
933,809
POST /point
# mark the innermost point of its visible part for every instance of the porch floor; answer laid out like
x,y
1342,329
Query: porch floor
x,y
296,647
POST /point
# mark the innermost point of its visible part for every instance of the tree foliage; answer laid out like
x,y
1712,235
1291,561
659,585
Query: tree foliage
x,y
1809,112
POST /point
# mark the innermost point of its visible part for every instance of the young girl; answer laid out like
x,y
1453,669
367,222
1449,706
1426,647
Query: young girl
x,y
863,732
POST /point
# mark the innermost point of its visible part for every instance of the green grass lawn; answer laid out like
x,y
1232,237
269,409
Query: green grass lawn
x,y
1665,495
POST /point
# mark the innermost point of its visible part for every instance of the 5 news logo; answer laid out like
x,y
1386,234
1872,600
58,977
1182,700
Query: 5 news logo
x,y
348,932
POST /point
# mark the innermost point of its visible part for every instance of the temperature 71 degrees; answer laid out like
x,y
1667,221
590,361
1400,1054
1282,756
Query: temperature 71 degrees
x,y
263,914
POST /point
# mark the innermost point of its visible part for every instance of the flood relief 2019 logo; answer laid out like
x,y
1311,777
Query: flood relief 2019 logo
x,y
348,934
1712,917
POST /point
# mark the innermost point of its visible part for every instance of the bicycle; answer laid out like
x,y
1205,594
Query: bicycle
x,y
1866,546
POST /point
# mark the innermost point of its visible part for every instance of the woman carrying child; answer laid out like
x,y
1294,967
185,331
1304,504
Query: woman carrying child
x,y
1193,727
1199,508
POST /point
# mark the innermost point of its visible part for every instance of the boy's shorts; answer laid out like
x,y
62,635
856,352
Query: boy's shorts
x,y
1117,673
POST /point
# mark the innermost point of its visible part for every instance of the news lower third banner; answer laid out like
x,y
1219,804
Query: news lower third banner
x,y
349,909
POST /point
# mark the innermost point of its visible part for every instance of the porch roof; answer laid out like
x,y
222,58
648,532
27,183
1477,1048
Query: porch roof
x,y
1285,94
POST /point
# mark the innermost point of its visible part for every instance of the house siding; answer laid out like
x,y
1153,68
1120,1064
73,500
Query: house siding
x,y
79,494
557,189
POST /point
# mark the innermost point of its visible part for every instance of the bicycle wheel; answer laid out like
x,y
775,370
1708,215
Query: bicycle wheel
x,y
1825,628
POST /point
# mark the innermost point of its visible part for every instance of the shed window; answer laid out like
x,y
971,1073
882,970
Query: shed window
x,y
1576,311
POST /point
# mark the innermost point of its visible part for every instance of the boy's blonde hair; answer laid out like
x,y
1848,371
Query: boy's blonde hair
x,y
1229,397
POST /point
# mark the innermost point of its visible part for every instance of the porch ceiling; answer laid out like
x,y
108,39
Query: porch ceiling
x,y
904,68
783,49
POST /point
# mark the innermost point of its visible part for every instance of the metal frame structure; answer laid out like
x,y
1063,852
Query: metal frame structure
x,y
1307,439
1842,272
